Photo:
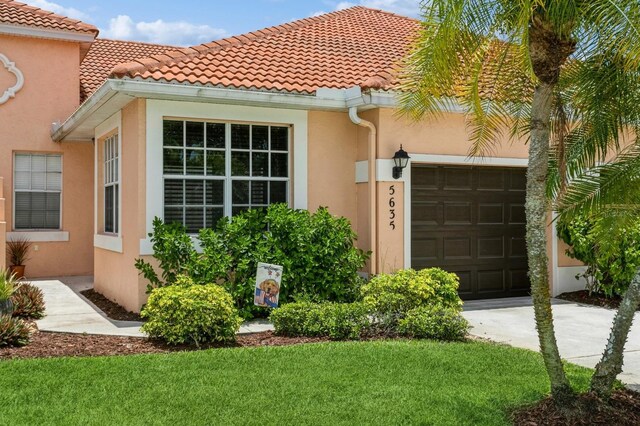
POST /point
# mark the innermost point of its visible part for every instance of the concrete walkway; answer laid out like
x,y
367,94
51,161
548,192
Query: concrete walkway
x,y
581,330
68,311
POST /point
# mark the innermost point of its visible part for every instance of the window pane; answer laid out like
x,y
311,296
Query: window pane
x,y
259,192
213,216
38,163
22,180
215,135
240,192
215,192
116,216
260,164
279,165
54,163
238,209
52,220
280,138
194,192
173,133
194,220
23,162
174,161
240,163
38,180
215,163
194,134
195,162
108,209
173,192
173,214
240,136
278,192
260,137
52,201
54,181
38,201
37,219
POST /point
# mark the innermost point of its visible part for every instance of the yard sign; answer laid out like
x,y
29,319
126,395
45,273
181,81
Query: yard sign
x,y
268,278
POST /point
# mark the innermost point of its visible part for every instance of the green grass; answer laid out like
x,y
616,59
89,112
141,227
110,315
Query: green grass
x,y
382,382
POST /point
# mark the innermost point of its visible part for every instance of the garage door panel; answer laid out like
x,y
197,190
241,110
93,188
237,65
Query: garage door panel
x,y
470,221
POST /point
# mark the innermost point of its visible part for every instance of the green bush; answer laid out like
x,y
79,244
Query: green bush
x,y
433,322
188,313
611,266
28,302
338,321
316,250
13,331
390,296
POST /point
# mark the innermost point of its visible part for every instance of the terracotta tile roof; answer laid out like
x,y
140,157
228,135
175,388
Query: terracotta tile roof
x,y
23,15
356,46
105,54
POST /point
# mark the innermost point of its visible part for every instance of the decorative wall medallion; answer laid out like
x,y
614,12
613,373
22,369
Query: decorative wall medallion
x,y
11,91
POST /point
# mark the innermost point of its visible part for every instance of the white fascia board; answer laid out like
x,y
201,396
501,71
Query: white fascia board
x,y
46,33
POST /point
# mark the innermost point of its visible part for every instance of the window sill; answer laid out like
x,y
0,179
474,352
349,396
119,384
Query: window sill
x,y
39,236
108,242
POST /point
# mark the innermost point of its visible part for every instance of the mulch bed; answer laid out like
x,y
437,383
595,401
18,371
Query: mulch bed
x,y
47,345
596,299
623,409
110,308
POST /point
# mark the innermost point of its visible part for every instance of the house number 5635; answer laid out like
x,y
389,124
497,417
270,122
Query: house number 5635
x,y
392,205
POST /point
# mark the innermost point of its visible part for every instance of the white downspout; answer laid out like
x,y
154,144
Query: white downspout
x,y
373,202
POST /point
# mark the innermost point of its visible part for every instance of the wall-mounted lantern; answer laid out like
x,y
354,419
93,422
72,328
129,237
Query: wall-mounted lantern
x,y
400,161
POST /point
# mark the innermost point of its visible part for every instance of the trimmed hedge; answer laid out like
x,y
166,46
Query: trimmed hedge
x,y
433,322
189,313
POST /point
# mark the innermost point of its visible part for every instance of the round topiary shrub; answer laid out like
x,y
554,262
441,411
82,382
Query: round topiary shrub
x,y
190,313
433,322
13,331
28,302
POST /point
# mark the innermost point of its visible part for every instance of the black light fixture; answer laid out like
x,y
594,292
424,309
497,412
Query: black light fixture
x,y
400,161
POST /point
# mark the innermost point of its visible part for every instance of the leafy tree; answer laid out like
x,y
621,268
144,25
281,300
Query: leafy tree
x,y
551,72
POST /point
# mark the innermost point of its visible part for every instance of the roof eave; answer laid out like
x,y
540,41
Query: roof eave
x,y
116,93
46,33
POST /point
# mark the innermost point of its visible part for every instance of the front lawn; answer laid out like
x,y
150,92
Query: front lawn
x,y
379,382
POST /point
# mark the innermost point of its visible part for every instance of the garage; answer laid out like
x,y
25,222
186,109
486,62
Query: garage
x,y
470,220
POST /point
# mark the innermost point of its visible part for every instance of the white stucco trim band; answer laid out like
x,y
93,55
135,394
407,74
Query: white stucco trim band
x,y
46,33
108,242
39,236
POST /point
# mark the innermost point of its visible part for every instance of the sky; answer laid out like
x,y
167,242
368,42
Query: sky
x,y
191,22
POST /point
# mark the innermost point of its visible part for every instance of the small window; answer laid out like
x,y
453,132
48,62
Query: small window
x,y
37,188
111,185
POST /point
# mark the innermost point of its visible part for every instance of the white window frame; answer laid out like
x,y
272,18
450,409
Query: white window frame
x,y
111,179
157,110
228,178
53,231
101,240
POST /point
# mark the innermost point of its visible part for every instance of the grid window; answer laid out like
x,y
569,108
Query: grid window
x,y
111,185
37,185
213,170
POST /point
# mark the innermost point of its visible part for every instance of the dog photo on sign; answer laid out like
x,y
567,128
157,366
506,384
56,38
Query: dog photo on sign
x,y
268,278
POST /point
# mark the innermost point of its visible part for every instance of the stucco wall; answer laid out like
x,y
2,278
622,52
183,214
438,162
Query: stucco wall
x,y
3,228
115,275
50,93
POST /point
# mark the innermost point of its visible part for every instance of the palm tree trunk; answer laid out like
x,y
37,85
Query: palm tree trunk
x,y
537,208
611,363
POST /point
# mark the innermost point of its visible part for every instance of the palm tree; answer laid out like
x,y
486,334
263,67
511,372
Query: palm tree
x,y
513,67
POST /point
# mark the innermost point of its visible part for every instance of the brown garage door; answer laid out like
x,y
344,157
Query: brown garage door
x,y
471,221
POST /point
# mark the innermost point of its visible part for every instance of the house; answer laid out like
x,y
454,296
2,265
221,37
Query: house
x,y
98,137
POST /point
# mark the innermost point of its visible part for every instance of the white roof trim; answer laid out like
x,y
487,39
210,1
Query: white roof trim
x,y
46,33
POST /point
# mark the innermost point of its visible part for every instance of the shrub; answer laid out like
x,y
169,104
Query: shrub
x,y
316,250
8,285
13,331
338,321
433,322
390,296
188,313
28,302
610,266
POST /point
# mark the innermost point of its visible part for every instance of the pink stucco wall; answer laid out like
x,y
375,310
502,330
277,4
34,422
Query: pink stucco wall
x,y
50,93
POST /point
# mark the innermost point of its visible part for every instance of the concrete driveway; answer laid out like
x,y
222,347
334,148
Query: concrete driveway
x,y
581,330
